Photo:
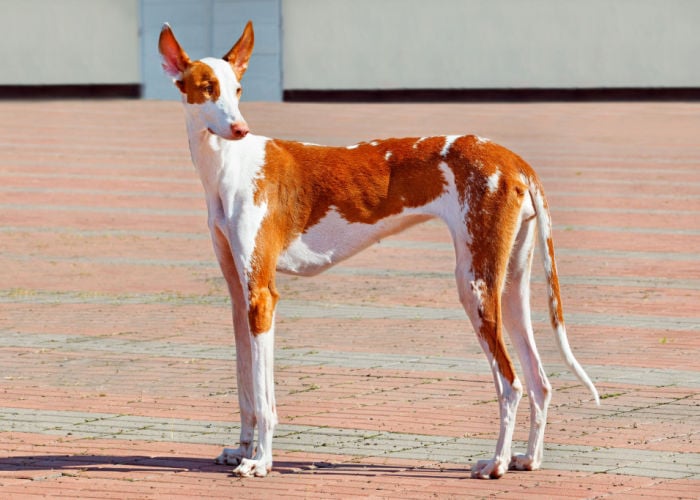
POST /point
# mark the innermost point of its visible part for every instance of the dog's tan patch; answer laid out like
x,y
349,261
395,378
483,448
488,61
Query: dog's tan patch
x,y
488,179
359,181
199,83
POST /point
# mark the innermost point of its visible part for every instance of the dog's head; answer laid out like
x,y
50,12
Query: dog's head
x,y
210,87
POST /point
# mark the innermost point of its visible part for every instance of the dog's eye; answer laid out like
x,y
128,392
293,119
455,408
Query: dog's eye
x,y
208,88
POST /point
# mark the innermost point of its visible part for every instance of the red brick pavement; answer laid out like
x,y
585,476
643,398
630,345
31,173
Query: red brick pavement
x,y
101,211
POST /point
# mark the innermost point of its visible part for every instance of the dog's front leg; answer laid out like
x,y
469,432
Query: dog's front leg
x,y
246,391
262,301
262,356
244,375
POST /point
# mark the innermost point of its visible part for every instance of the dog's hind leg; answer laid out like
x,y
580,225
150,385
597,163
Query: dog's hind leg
x,y
518,323
491,227
480,296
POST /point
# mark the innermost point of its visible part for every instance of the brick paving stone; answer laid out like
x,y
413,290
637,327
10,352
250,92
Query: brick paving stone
x,y
115,335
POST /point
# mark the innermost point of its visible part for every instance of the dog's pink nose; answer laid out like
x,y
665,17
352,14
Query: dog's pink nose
x,y
239,130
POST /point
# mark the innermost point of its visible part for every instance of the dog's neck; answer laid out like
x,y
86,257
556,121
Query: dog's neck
x,y
207,151
216,158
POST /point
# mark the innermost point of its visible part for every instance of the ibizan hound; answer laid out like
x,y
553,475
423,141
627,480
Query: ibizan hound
x,y
298,208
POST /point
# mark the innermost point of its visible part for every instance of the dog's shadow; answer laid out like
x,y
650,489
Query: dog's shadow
x,y
69,464
117,463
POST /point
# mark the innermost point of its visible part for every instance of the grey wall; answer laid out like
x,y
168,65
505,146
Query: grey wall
x,y
210,28
385,44
77,42
360,44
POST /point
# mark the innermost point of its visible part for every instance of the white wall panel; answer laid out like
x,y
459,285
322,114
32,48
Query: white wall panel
x,y
387,44
69,42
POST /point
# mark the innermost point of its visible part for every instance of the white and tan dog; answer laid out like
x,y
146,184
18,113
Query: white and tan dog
x,y
299,208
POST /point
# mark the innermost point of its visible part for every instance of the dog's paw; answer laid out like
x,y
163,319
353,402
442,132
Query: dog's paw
x,y
488,469
523,462
230,456
250,468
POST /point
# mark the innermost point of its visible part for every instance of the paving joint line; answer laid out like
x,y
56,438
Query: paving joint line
x,y
198,196
342,270
613,374
203,213
390,243
354,443
548,179
363,271
295,309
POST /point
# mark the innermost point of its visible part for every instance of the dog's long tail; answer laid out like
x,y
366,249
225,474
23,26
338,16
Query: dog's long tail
x,y
544,231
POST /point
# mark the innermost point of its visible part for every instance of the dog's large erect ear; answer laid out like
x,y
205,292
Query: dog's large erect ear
x,y
175,60
239,54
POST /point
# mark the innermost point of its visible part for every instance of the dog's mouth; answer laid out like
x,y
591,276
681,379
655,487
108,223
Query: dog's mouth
x,y
235,133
